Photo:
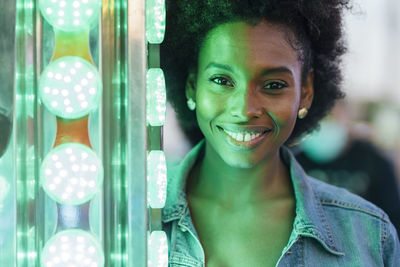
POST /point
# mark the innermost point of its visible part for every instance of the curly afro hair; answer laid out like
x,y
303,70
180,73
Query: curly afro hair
x,y
316,26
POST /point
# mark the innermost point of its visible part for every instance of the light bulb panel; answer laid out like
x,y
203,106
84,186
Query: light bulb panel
x,y
156,97
156,179
71,174
158,249
72,248
70,87
155,21
70,15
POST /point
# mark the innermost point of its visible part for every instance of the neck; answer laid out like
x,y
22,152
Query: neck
x,y
212,179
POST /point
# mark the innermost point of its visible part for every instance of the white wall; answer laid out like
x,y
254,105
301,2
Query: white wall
x,y
372,65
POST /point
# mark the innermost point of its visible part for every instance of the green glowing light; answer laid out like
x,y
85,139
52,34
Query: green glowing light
x,y
71,174
158,249
72,248
156,179
4,190
155,21
156,97
70,87
28,11
70,15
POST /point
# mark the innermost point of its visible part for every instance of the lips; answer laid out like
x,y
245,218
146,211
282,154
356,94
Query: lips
x,y
244,135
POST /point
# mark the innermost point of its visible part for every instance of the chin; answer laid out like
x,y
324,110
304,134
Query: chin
x,y
241,163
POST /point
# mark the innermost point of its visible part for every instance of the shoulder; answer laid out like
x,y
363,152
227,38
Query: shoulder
x,y
358,224
339,198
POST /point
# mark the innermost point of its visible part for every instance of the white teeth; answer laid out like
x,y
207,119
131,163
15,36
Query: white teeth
x,y
240,137
247,137
244,136
235,136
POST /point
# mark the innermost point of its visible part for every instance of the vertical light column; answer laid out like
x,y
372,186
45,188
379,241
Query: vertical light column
x,y
27,238
71,174
114,120
155,114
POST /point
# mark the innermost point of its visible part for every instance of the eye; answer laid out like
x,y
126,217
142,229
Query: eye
x,y
222,81
275,85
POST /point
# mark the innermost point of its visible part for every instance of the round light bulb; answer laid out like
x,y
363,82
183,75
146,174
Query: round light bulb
x,y
156,179
156,97
158,249
70,87
70,15
72,248
71,174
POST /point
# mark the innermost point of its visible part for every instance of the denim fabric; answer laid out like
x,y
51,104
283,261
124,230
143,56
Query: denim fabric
x,y
332,227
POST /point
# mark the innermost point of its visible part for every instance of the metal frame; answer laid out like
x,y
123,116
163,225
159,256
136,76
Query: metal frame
x,y
137,134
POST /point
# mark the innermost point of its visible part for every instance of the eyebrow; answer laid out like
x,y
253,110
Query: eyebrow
x,y
263,72
276,70
220,66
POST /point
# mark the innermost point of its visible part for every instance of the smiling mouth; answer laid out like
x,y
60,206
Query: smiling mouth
x,y
247,138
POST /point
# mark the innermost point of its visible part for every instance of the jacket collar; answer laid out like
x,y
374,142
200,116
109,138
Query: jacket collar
x,y
310,220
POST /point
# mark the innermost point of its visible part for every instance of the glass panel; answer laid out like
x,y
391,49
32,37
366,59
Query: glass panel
x,y
7,184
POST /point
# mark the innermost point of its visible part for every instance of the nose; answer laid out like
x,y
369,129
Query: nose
x,y
245,104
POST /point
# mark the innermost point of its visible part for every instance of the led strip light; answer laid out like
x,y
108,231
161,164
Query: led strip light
x,y
156,109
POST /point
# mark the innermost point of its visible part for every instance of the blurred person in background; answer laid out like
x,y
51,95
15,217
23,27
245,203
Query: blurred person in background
x,y
343,153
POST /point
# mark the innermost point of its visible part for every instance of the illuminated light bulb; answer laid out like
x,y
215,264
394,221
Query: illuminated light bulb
x,y
156,179
76,88
72,248
155,21
67,183
63,14
158,249
156,97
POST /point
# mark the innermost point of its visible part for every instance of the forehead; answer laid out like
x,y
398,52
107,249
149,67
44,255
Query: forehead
x,y
260,45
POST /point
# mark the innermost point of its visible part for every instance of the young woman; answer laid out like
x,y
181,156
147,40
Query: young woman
x,y
246,78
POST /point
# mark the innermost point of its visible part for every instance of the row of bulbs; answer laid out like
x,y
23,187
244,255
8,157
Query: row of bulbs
x,y
72,174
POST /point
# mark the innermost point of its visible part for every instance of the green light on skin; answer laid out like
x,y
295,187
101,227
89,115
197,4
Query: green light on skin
x,y
70,15
71,174
158,249
155,21
72,248
156,97
70,87
156,179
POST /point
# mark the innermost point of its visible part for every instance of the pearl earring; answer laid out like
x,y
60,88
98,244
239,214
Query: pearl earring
x,y
191,104
302,113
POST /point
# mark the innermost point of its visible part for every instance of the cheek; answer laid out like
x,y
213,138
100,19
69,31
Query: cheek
x,y
284,115
208,105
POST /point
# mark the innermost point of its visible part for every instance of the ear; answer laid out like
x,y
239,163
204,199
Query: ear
x,y
307,91
190,89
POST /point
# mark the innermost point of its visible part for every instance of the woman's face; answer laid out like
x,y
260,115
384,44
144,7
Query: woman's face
x,y
248,91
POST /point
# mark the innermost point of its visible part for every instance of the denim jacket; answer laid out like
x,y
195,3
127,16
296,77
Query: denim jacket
x,y
332,227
